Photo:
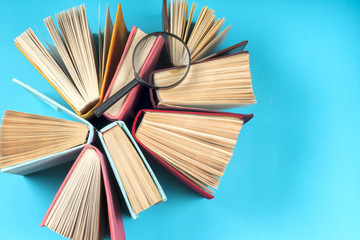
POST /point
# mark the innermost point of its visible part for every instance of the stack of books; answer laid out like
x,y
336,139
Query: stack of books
x,y
181,128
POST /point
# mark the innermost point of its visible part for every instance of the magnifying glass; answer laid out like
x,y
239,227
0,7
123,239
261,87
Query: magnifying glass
x,y
178,55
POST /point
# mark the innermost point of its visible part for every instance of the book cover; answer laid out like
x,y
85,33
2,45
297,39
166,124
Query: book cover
x,y
135,96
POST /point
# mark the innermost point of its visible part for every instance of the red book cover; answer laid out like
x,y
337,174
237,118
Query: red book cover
x,y
133,99
114,212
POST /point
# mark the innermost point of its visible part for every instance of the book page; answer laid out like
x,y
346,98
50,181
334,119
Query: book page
x,y
138,183
219,83
24,137
75,212
75,76
107,39
198,146
126,72
202,38
211,46
117,44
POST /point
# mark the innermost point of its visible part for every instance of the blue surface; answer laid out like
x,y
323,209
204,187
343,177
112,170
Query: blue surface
x,y
295,173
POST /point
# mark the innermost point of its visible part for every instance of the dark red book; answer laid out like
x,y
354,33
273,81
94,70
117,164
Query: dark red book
x,y
190,183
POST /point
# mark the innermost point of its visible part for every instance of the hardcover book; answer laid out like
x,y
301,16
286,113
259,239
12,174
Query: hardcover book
x,y
79,70
138,184
45,159
194,146
126,108
132,174
89,169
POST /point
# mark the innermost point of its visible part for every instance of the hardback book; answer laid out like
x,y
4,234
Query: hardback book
x,y
30,143
195,146
126,107
217,83
77,211
116,140
78,67
206,37
138,184
202,37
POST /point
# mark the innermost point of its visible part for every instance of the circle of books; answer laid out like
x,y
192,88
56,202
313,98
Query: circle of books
x,y
180,128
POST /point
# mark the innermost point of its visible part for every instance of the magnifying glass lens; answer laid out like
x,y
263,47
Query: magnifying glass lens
x,y
174,52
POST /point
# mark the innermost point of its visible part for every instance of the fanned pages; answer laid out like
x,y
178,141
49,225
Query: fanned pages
x,y
74,68
202,38
76,210
136,180
125,73
76,49
104,44
220,83
198,146
116,49
24,137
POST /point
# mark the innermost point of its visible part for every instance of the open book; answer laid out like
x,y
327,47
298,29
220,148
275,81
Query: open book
x,y
202,37
112,136
148,57
194,146
39,137
78,67
77,210
204,33
45,141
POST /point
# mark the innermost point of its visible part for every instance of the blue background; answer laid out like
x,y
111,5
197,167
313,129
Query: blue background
x,y
295,173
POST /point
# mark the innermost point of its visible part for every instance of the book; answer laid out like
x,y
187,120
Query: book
x,y
79,70
194,146
177,12
77,210
138,184
33,133
116,155
202,37
51,135
217,83
125,107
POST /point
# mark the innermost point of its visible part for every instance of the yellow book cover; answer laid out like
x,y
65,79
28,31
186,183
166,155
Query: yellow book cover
x,y
117,44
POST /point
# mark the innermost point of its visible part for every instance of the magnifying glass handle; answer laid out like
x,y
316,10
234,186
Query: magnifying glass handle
x,y
99,110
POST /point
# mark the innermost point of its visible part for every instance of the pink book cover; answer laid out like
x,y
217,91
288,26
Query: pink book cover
x,y
114,212
116,225
133,99
137,120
